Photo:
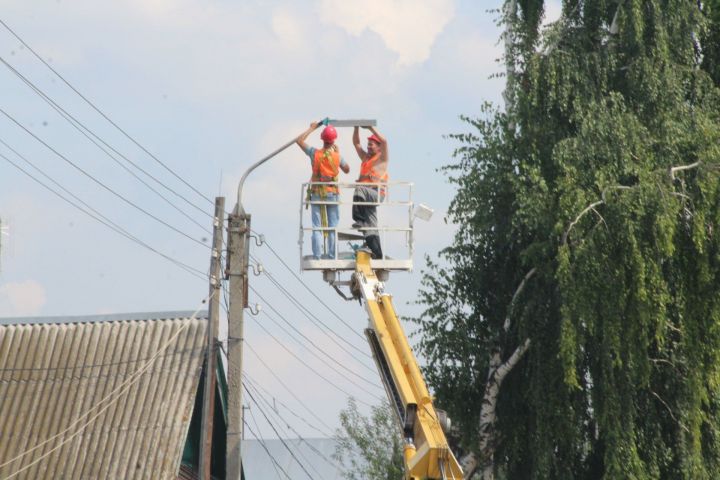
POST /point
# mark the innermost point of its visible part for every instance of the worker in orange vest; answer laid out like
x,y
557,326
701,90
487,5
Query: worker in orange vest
x,y
373,171
326,163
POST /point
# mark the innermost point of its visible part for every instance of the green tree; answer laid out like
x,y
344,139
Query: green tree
x,y
371,445
573,330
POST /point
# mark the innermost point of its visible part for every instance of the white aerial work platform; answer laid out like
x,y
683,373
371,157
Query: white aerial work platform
x,y
427,454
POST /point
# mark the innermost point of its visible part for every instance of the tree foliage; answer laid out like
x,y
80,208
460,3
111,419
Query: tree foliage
x,y
602,174
370,445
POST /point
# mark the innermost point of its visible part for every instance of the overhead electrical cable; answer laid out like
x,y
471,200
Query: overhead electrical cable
x,y
285,387
315,295
276,433
102,219
273,461
94,138
283,430
272,408
311,342
309,367
265,393
314,319
98,182
94,107
321,359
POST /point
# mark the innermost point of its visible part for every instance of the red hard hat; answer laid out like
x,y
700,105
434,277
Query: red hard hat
x,y
329,134
374,138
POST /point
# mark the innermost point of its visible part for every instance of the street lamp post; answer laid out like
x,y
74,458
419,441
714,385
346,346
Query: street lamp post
x,y
237,274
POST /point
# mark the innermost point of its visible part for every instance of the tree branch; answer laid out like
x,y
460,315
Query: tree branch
x,y
670,411
663,360
577,219
518,290
682,167
510,363
589,208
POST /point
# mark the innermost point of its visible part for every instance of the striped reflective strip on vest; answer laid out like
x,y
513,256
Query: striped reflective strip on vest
x,y
325,169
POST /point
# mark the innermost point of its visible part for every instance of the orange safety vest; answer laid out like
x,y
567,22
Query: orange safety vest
x,y
370,173
325,167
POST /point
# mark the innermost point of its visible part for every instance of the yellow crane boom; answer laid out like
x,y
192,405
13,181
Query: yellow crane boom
x,y
426,452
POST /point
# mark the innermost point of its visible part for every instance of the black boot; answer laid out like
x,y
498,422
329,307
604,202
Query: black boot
x,y
373,243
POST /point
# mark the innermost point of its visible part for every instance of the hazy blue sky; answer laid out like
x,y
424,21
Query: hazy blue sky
x,y
209,87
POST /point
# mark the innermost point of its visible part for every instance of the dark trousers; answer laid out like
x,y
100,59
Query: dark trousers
x,y
366,216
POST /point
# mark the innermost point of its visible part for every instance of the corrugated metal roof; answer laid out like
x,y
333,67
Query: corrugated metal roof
x,y
99,397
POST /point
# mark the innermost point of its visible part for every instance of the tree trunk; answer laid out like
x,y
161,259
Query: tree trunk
x,y
488,416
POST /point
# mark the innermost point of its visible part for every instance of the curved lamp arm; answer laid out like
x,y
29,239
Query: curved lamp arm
x,y
240,208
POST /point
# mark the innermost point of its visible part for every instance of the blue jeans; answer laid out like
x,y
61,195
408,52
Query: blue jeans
x,y
333,216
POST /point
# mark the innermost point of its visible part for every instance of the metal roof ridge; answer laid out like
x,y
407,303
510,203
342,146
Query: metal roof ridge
x,y
109,317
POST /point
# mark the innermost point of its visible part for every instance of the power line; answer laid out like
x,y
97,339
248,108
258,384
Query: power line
x,y
329,382
299,450
87,133
275,463
290,392
129,202
91,104
101,218
310,342
259,387
272,408
276,433
370,382
314,319
333,312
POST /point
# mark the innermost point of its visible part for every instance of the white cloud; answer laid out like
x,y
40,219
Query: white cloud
x,y
22,298
288,29
472,53
407,27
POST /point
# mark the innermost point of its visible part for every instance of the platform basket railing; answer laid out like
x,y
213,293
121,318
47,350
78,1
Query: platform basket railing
x,y
398,200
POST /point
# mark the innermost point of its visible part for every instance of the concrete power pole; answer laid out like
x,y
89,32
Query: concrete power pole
x,y
237,272
208,409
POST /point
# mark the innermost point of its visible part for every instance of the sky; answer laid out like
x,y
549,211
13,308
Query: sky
x,y
208,87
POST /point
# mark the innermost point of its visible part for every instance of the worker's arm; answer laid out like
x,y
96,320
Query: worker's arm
x,y
383,147
303,136
383,140
358,146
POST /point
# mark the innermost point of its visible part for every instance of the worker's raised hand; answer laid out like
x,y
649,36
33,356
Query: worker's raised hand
x,y
314,125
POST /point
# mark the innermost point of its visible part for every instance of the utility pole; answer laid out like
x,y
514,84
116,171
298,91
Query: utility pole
x,y
237,271
208,408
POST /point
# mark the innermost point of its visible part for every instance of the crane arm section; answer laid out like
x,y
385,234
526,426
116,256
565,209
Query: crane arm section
x,y
426,453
